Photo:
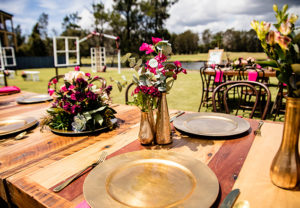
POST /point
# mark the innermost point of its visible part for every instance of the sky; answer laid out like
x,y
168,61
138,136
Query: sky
x,y
196,15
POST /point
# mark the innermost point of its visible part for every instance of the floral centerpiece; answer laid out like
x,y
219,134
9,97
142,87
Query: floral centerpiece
x,y
79,105
282,49
154,79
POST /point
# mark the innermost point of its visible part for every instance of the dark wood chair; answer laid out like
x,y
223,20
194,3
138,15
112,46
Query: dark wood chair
x,y
235,102
279,103
128,92
209,83
102,82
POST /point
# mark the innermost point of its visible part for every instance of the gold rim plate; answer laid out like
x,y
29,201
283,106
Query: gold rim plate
x,y
151,178
34,99
73,133
16,124
211,124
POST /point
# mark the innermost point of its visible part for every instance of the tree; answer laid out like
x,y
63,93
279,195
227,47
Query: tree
x,y
71,21
43,25
206,39
186,42
101,17
36,45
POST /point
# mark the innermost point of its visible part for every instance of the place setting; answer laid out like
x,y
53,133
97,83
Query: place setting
x,y
31,99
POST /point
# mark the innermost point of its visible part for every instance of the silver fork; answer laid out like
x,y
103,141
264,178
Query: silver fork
x,y
66,183
257,131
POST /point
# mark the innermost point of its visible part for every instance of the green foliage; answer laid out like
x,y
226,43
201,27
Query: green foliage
x,y
186,42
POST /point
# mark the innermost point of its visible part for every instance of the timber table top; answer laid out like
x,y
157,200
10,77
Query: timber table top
x,y
31,167
267,73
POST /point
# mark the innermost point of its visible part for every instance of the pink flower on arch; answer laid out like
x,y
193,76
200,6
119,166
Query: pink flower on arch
x,y
147,47
87,74
63,88
77,68
54,81
156,40
51,91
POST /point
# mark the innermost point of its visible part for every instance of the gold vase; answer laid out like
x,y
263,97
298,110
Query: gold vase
x,y
285,168
146,134
163,128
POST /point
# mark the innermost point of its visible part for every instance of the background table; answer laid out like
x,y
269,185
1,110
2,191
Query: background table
x,y
31,167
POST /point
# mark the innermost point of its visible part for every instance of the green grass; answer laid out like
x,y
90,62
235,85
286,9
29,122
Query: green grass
x,y
195,57
185,94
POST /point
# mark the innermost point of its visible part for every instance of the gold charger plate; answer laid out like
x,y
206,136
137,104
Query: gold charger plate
x,y
34,99
211,124
151,178
80,133
16,124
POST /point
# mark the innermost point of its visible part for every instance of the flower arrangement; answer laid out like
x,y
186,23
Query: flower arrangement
x,y
155,76
242,63
79,105
281,48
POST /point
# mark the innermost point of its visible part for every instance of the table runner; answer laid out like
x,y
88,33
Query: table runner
x,y
229,153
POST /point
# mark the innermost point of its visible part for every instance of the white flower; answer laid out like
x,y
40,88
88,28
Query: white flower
x,y
73,75
79,123
153,63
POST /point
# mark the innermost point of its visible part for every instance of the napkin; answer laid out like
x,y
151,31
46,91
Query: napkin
x,y
252,75
219,76
83,204
9,89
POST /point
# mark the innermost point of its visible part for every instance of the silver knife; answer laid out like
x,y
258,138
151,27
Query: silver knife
x,y
230,199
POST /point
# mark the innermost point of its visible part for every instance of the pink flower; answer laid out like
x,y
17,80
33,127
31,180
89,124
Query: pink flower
x,y
90,85
51,91
147,47
258,66
156,40
49,83
161,57
54,81
283,41
96,77
177,63
175,76
63,88
213,66
77,68
87,74
71,87
73,97
184,71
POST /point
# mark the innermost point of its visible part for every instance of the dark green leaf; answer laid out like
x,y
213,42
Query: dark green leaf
x,y
99,119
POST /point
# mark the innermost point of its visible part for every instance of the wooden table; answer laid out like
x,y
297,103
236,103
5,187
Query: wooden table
x,y
31,167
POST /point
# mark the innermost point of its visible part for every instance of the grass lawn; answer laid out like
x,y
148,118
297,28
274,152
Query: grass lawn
x,y
196,57
185,94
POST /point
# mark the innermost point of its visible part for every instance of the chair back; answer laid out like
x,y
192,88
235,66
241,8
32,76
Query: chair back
x,y
101,80
129,90
236,98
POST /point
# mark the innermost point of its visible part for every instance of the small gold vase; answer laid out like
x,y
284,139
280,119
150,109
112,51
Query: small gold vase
x,y
285,168
163,128
146,134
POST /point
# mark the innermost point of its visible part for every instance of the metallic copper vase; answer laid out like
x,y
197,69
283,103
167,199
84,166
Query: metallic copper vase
x,y
163,128
285,168
146,134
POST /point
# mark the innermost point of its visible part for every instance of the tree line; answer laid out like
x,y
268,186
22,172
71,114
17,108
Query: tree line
x,y
135,22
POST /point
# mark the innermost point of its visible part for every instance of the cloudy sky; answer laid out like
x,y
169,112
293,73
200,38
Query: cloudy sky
x,y
196,15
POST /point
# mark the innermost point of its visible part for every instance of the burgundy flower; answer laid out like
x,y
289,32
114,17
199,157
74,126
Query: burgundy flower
x,y
73,97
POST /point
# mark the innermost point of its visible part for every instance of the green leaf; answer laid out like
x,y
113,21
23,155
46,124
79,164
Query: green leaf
x,y
119,86
170,66
135,79
132,62
87,116
162,89
125,57
99,119
97,110
139,62
270,63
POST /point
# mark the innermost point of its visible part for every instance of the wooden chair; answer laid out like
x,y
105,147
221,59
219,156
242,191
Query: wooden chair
x,y
238,99
279,103
101,80
128,91
209,83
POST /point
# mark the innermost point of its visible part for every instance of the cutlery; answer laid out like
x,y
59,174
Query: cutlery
x,y
230,199
257,131
242,204
66,183
176,115
21,135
